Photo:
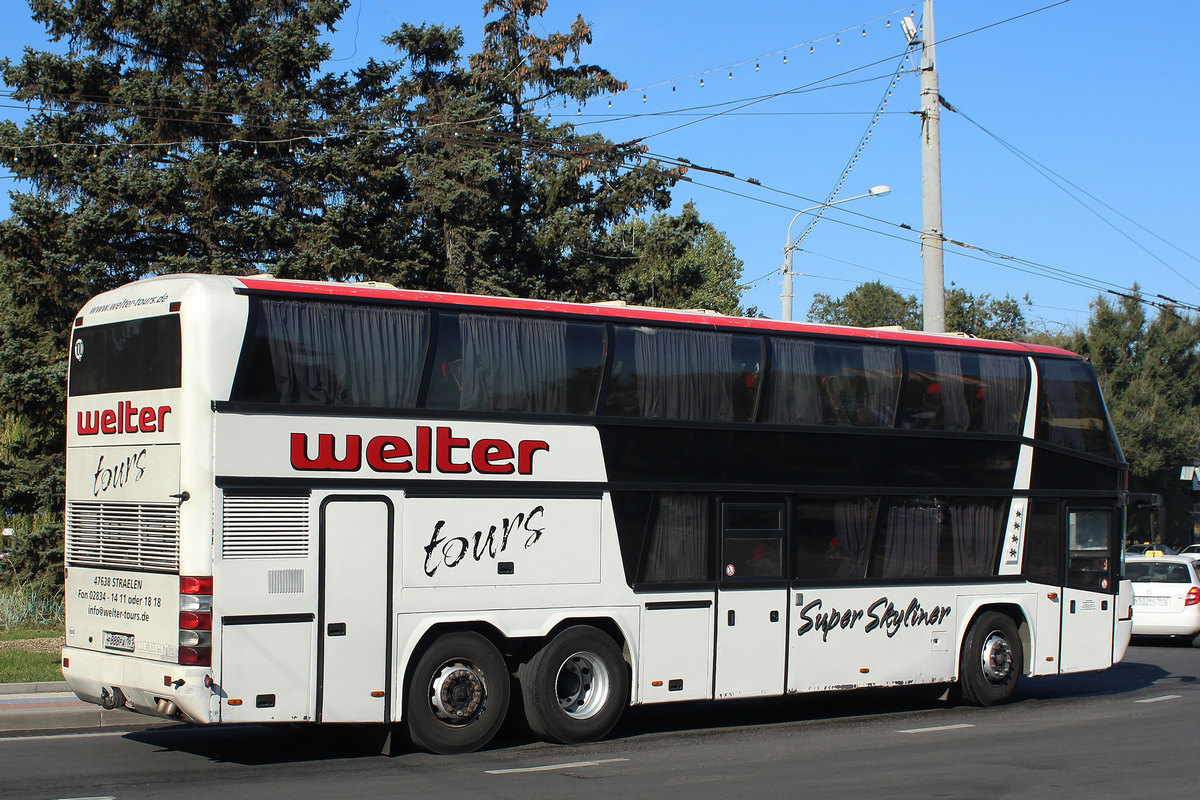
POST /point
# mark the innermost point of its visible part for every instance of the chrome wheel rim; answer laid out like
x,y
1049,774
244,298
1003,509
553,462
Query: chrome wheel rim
x,y
996,658
582,685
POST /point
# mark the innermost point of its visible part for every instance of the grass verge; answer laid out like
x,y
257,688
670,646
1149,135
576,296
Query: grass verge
x,y
31,632
30,654
23,666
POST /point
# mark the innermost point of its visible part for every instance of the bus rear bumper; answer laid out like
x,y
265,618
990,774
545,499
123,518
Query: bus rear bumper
x,y
155,688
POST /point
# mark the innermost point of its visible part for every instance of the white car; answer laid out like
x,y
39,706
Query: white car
x,y
1192,550
1166,596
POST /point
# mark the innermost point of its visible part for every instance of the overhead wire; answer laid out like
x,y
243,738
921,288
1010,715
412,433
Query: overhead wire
x,y
877,62
862,144
989,255
993,257
548,148
756,59
893,276
1058,180
811,86
553,149
816,87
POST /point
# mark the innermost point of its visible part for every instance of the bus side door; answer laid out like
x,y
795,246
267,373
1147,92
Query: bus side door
x,y
355,611
1089,594
752,602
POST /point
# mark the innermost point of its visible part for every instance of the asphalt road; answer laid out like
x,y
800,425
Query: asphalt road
x,y
1126,732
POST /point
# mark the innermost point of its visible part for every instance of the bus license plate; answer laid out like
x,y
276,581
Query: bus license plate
x,y
118,641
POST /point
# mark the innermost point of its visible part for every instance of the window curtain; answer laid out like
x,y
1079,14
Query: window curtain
x,y
852,527
976,538
679,543
910,549
1062,415
512,364
335,354
882,365
956,414
1004,390
684,374
793,391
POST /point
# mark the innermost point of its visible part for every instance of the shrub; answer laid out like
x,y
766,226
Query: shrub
x,y
30,607
33,554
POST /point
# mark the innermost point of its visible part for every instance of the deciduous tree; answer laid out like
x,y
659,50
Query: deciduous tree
x,y
876,305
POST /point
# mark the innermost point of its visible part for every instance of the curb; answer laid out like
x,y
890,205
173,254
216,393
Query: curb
x,y
41,687
67,717
50,707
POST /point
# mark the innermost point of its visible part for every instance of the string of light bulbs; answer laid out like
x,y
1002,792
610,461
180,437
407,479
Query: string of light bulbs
x,y
757,60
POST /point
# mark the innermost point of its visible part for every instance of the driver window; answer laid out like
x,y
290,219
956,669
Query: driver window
x,y
1089,550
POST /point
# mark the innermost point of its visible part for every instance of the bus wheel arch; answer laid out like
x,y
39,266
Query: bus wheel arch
x,y
992,656
576,686
605,624
457,691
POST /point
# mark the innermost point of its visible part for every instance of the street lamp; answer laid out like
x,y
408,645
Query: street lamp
x,y
789,248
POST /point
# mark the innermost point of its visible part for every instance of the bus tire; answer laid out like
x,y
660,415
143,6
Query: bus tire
x,y
457,696
576,687
992,660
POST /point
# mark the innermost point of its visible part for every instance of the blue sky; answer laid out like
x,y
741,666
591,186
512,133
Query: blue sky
x,y
1098,95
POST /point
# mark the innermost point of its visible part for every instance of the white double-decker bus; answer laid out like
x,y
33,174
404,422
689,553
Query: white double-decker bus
x,y
316,502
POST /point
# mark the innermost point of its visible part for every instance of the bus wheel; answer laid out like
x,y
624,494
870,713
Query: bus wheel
x,y
458,694
576,687
991,661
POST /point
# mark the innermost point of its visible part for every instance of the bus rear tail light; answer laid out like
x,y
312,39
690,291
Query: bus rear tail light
x,y
1193,596
191,585
195,621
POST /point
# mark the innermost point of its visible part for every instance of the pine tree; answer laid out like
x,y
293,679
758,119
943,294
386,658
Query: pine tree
x,y
171,136
201,136
1149,372
550,196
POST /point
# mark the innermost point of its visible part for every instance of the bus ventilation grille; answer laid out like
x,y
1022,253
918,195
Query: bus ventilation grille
x,y
285,581
264,526
142,536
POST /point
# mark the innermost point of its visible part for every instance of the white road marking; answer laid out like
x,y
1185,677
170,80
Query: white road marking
x,y
99,797
1159,699
36,738
552,767
938,728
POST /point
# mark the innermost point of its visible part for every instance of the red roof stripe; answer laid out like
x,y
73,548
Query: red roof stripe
x,y
362,292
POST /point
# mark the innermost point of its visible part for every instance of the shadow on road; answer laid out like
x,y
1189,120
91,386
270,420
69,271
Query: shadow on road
x,y
262,745
1128,676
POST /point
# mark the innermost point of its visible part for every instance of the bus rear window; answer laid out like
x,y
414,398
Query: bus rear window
x,y
1163,572
131,356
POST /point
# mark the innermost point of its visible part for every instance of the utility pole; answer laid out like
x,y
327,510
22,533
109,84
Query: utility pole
x,y
931,184
786,294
